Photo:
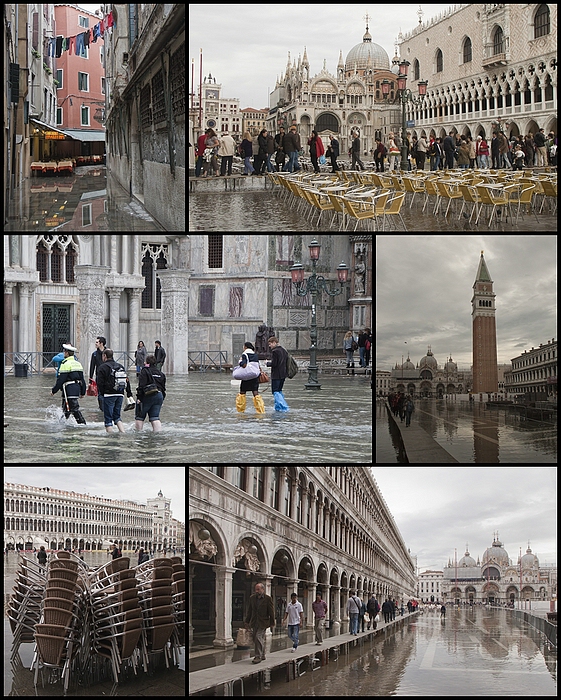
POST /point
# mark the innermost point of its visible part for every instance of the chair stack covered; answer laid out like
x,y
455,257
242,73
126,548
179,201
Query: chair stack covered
x,y
58,635
24,606
155,595
178,598
117,618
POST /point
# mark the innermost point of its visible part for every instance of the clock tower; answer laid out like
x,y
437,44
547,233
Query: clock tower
x,y
485,373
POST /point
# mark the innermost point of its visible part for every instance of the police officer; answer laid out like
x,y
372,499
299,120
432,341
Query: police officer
x,y
72,383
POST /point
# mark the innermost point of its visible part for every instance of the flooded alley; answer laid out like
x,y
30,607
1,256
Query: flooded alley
x,y
89,199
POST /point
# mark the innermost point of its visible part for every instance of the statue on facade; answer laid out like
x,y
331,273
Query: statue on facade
x,y
262,336
360,276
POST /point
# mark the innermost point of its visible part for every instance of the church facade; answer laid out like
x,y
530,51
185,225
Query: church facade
x,y
496,579
240,289
428,379
338,104
74,288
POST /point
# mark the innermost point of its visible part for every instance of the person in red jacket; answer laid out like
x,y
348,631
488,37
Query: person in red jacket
x,y
199,153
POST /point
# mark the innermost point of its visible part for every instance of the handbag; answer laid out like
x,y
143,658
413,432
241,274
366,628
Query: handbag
x,y
263,377
250,371
92,389
243,638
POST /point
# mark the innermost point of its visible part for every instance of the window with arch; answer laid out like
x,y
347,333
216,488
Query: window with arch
x,y
439,61
498,41
467,50
542,21
56,256
155,256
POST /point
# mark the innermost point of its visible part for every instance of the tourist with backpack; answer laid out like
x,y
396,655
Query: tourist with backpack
x,y
279,372
112,382
151,392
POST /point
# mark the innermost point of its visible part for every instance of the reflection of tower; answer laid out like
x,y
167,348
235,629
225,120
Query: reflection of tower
x,y
485,374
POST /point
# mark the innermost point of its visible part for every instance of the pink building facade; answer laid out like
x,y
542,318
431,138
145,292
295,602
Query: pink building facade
x,y
80,72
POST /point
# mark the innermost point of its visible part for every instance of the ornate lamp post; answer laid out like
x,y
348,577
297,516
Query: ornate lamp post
x,y
313,285
404,95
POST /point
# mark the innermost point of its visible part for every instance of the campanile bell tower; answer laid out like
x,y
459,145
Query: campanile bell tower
x,y
485,373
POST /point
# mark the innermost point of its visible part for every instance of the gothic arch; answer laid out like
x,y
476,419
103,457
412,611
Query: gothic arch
x,y
328,121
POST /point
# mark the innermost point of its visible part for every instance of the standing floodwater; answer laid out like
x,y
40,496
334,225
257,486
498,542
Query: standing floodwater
x,y
472,652
199,424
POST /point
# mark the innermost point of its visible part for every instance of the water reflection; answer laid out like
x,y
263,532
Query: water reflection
x,y
473,433
200,424
86,199
473,652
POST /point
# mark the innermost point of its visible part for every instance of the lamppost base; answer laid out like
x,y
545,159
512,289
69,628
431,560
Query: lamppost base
x,y
312,385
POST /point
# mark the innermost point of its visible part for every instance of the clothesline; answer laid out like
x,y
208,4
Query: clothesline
x,y
57,45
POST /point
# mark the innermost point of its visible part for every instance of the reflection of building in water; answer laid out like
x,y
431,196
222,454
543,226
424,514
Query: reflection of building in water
x,y
496,579
308,530
429,379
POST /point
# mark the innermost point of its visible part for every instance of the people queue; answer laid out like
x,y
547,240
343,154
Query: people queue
x,y
362,612
268,153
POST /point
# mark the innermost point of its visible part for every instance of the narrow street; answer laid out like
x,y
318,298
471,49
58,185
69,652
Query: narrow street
x,y
86,200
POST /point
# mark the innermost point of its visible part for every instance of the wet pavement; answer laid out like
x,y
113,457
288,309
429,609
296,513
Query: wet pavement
x,y
38,433
263,210
472,434
86,200
471,652
18,679
200,424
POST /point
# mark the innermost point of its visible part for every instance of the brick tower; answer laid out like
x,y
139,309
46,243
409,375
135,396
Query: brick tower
x,y
485,374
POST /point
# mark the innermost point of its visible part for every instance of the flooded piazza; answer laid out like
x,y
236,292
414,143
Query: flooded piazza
x,y
472,434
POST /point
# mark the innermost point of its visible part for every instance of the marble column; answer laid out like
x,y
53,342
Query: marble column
x,y
134,318
26,341
8,318
175,316
114,340
90,281
224,582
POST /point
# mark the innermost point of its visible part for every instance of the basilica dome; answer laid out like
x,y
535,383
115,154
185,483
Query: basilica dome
x,y
359,54
496,554
408,364
529,560
467,560
451,366
428,360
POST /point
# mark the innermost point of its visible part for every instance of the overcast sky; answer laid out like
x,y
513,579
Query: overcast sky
x,y
128,483
424,286
245,47
439,508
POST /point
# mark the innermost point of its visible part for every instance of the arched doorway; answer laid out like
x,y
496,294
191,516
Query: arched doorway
x,y
327,121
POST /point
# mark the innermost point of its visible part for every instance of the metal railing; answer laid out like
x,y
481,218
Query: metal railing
x,y
203,360
37,362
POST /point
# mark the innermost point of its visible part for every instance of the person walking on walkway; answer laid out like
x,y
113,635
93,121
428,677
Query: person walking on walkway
x,y
319,607
387,610
260,616
409,408
295,614
353,609
373,609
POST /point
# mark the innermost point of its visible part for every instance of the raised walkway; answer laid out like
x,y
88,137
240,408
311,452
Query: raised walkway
x,y
317,655
420,447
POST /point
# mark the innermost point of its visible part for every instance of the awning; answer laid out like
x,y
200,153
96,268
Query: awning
x,y
45,127
84,135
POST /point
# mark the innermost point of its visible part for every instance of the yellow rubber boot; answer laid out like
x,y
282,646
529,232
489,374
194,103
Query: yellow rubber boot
x,y
240,403
258,403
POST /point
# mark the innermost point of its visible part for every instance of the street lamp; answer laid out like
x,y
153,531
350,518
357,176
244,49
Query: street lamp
x,y
313,285
404,95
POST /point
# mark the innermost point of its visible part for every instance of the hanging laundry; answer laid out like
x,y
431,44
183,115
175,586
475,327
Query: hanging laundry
x,y
71,45
52,47
79,44
109,20
58,46
87,38
95,33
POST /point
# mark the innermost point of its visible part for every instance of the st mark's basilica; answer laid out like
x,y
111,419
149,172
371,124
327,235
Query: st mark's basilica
x,y
429,379
340,103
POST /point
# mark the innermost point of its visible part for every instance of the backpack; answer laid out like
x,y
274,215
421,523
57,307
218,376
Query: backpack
x,y
291,367
119,378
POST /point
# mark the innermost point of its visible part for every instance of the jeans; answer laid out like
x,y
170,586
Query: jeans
x,y
293,632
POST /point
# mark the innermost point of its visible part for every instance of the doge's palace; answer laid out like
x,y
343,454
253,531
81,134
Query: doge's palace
x,y
487,64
